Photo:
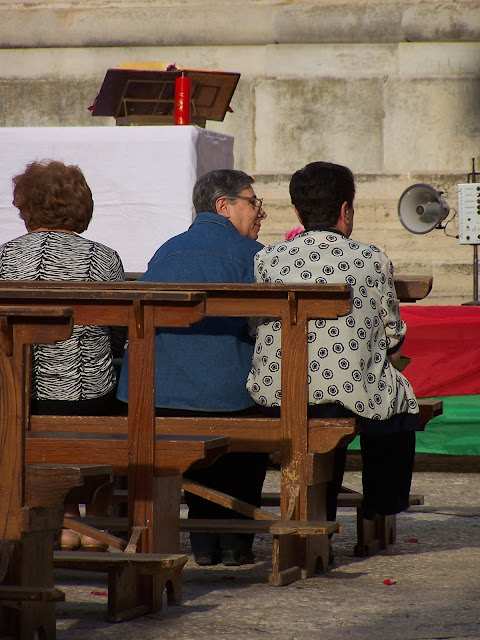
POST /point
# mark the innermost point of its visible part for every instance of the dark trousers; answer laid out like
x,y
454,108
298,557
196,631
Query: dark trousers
x,y
387,461
240,475
387,468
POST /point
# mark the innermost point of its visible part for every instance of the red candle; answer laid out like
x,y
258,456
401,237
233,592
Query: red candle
x,y
182,100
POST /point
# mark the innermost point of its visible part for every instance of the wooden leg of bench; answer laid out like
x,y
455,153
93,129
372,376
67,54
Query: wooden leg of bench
x,y
171,581
316,546
297,556
29,584
130,594
284,557
166,534
125,594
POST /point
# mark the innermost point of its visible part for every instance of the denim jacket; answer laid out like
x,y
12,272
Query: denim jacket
x,y
204,367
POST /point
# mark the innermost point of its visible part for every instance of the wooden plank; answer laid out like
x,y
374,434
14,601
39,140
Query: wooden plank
x,y
443,463
46,485
173,454
227,501
147,563
31,594
274,527
429,409
413,288
346,498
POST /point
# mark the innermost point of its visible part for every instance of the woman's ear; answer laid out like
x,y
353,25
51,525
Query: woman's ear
x,y
345,213
298,215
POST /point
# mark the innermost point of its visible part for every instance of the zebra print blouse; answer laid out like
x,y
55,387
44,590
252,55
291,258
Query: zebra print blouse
x,y
80,368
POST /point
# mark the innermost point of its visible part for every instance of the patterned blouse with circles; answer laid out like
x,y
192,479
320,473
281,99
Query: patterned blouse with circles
x,y
348,361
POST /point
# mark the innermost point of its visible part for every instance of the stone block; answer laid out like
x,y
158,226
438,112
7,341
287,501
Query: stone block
x,y
331,60
431,124
324,22
239,124
454,21
93,62
438,58
88,24
300,121
49,103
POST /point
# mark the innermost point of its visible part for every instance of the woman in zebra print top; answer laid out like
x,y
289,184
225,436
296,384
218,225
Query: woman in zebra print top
x,y
76,376
56,204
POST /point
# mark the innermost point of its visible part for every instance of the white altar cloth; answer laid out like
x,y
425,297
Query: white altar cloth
x,y
141,179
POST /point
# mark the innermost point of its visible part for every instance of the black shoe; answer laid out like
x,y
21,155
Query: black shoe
x,y
207,558
237,557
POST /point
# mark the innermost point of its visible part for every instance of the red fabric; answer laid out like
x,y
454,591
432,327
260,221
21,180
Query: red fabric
x,y
444,344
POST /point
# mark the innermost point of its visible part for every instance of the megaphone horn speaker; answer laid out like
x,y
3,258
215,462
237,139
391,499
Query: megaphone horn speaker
x,y
421,208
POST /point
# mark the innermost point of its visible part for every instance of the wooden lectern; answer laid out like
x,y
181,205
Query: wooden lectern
x,y
144,94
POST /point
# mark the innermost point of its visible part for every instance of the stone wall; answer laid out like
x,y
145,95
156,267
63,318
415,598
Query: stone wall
x,y
392,89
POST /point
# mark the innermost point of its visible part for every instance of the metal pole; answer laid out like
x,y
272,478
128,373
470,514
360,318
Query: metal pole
x,y
475,273
472,177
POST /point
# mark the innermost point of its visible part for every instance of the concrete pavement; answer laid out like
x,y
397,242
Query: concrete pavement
x,y
435,595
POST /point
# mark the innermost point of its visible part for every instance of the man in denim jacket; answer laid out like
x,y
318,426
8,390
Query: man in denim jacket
x,y
204,368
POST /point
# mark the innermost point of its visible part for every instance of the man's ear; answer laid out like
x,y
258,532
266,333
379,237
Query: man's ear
x,y
222,206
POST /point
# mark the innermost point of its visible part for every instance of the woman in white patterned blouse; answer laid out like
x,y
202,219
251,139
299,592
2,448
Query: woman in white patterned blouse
x,y
351,359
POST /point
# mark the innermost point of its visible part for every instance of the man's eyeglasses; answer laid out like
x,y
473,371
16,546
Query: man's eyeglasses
x,y
255,202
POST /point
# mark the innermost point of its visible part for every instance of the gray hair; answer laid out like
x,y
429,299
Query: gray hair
x,y
209,188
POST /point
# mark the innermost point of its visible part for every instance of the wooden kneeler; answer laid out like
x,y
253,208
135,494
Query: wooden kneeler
x,y
263,522
125,569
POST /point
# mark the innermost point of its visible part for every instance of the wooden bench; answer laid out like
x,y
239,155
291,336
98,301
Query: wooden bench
x,y
35,313
33,599
304,468
124,571
305,444
309,444
375,535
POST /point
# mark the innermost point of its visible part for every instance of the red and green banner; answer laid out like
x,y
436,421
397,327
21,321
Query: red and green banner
x,y
444,345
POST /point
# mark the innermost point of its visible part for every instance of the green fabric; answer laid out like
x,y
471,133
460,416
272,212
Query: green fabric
x,y
455,432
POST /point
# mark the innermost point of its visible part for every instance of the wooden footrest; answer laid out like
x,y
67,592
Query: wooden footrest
x,y
231,525
146,563
354,499
126,598
275,527
372,535
346,498
31,594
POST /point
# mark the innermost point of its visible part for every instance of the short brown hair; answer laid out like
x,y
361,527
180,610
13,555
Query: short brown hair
x,y
53,195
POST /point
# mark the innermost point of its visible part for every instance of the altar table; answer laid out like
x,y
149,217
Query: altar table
x,y
141,179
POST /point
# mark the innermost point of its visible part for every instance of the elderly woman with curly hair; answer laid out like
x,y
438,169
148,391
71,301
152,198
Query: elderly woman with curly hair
x,y
76,376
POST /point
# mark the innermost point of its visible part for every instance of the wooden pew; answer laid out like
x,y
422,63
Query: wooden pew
x,y
306,469
262,434
34,315
305,444
31,603
372,535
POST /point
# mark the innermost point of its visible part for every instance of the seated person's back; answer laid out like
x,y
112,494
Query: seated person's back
x,y
205,367
56,204
351,359
75,376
